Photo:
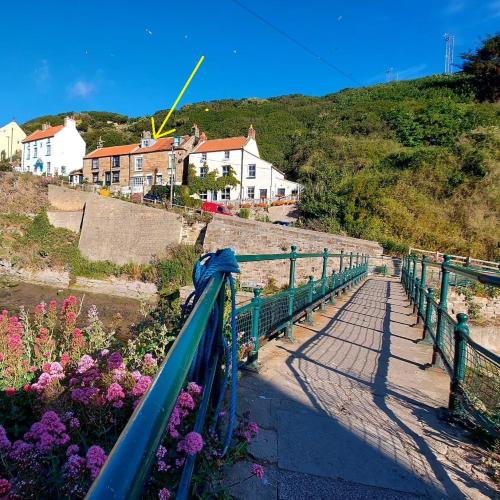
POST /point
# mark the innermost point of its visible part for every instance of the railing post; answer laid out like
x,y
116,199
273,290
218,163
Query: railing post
x,y
351,256
252,363
416,288
341,270
324,278
423,282
442,309
412,277
403,270
310,291
426,335
461,334
291,297
357,259
332,288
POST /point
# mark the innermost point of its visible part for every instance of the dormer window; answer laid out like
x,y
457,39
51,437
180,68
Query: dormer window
x,y
145,143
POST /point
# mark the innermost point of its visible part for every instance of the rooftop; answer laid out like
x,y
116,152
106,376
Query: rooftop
x,y
43,134
221,144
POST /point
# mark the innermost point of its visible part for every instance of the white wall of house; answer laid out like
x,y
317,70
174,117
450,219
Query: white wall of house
x,y
60,154
257,177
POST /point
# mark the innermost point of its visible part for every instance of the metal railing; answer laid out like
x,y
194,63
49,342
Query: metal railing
x,y
474,370
128,466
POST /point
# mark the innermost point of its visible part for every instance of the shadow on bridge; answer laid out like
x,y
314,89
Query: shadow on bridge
x,y
350,404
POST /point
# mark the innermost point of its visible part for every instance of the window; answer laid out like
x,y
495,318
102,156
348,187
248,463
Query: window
x,y
159,179
115,162
28,152
226,170
203,172
203,195
95,163
225,194
149,180
281,191
251,171
138,181
63,170
116,177
214,195
49,148
48,168
251,192
262,194
226,155
138,164
203,156
107,178
35,150
95,178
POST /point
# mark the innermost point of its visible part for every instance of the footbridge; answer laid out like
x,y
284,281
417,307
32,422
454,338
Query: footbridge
x,y
357,382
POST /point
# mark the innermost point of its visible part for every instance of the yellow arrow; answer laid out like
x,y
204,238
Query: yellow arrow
x,y
159,133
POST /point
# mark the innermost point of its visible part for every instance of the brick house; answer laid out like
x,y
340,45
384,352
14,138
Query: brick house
x,y
137,167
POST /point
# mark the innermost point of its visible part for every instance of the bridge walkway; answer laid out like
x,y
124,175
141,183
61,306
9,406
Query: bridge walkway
x,y
352,410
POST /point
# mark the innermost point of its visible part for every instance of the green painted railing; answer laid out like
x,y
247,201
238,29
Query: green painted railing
x,y
128,466
474,370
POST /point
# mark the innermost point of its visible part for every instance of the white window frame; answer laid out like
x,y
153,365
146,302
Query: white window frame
x,y
48,151
203,157
117,158
137,167
283,192
226,155
95,164
159,179
250,176
203,172
225,193
251,192
95,177
203,195
35,150
48,168
138,180
116,174
260,194
28,151
226,170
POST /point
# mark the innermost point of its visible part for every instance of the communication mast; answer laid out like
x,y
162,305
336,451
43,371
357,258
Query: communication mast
x,y
449,46
389,74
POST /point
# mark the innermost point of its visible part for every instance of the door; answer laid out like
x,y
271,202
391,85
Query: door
x,y
107,179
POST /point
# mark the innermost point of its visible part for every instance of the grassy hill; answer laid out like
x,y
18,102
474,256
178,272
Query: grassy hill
x,y
405,163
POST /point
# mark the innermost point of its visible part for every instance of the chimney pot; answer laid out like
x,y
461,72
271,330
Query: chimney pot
x,y
251,132
45,126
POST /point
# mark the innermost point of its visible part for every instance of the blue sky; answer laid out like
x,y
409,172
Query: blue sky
x,y
133,57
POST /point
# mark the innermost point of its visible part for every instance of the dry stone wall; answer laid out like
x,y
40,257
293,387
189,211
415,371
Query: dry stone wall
x,y
123,232
251,237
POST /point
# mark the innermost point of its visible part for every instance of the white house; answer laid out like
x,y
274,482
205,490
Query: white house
x,y
11,136
53,150
258,178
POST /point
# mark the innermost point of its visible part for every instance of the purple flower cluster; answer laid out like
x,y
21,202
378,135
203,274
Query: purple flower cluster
x,y
53,371
48,432
257,470
164,494
84,395
95,460
191,444
5,443
74,467
194,389
85,364
115,395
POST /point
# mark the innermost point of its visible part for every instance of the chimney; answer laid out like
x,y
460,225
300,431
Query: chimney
x,y
69,122
45,126
100,143
195,131
251,132
146,139
203,137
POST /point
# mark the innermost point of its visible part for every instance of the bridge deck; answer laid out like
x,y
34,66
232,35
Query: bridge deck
x,y
352,410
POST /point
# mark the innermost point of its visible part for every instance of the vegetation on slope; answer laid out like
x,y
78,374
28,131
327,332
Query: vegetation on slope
x,y
406,163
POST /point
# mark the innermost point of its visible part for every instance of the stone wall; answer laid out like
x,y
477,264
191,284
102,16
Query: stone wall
x,y
66,220
123,232
251,237
62,198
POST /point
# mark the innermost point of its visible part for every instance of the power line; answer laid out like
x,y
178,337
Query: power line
x,y
296,42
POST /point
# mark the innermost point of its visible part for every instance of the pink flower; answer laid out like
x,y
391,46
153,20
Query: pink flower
x,y
52,305
194,389
2,356
257,470
65,358
136,374
164,494
70,318
40,309
10,391
186,401
149,360
95,460
85,364
5,488
191,444
69,303
141,386
253,428
115,392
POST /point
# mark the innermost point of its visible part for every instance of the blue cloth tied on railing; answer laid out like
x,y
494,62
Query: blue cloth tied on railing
x,y
223,261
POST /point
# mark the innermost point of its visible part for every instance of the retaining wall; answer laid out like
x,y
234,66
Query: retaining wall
x,y
62,198
66,220
252,237
122,232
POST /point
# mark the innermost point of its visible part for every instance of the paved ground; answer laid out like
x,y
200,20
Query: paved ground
x,y
352,411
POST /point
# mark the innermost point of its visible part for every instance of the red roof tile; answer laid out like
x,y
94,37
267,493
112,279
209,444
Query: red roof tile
x,y
43,134
221,144
112,151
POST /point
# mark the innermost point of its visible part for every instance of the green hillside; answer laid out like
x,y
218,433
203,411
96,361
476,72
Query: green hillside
x,y
406,163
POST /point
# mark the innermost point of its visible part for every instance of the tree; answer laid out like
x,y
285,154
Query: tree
x,y
484,65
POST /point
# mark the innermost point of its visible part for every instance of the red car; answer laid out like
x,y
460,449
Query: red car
x,y
216,208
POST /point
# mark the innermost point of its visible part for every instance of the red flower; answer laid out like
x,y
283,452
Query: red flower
x,y
27,388
65,359
10,391
46,367
4,487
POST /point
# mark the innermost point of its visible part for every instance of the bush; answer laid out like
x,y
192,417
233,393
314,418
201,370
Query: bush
x,y
244,213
